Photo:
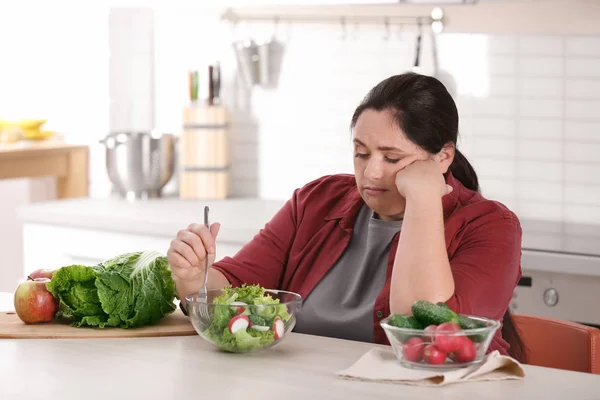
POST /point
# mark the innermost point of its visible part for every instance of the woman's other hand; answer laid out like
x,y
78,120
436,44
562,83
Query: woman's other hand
x,y
419,176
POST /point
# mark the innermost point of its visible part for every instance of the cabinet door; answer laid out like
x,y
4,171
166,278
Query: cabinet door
x,y
48,246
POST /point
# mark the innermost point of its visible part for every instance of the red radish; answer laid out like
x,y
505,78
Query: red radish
x,y
448,326
412,350
448,342
238,323
466,351
240,307
278,328
259,327
433,355
429,338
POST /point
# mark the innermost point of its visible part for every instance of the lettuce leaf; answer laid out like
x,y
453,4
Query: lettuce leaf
x,y
245,341
269,308
74,286
127,291
267,337
245,293
136,289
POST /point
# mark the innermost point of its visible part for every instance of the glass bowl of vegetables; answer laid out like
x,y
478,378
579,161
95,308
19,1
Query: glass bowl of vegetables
x,y
435,337
244,319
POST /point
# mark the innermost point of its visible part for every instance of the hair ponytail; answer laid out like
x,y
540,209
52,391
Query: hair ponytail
x,y
462,170
510,333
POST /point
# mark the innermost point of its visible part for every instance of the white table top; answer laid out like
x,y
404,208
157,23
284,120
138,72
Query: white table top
x,y
301,367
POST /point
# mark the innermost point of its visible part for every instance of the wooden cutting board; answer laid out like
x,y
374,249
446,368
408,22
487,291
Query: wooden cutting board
x,y
175,324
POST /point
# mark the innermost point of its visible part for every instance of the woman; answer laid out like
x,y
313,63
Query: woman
x,y
409,225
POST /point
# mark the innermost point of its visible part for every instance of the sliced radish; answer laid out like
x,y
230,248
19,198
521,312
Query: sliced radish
x,y
239,307
238,323
278,328
259,327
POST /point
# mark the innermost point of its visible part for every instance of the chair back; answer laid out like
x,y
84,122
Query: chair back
x,y
559,344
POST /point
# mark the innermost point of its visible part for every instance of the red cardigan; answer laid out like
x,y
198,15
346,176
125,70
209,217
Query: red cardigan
x,y
310,232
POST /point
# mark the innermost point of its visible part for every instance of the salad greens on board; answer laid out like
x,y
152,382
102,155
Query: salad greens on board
x,y
128,291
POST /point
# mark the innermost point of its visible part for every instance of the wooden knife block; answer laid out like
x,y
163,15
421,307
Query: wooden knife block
x,y
205,154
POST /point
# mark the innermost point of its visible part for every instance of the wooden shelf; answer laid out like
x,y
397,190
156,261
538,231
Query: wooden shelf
x,y
67,162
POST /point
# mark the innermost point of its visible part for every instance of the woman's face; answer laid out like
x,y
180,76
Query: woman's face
x,y
379,144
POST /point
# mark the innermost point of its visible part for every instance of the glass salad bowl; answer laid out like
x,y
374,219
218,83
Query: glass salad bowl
x,y
445,346
244,319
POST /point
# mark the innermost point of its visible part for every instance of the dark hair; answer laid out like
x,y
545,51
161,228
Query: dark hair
x,y
428,116
425,112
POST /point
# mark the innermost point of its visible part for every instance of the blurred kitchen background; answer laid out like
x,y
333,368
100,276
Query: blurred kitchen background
x,y
237,103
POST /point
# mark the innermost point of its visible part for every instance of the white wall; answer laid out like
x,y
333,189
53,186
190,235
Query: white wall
x,y
528,105
131,74
54,66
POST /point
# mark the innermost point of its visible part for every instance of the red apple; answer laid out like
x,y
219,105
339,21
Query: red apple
x,y
34,303
41,273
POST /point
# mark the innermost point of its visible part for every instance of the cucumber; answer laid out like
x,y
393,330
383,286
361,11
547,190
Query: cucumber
x,y
428,313
468,323
414,323
400,321
257,320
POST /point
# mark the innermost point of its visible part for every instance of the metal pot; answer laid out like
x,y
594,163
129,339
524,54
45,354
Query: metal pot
x,y
139,164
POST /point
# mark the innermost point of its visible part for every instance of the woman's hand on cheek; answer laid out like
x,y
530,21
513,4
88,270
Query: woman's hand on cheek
x,y
418,176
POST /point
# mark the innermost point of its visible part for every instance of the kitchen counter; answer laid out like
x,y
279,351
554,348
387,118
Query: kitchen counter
x,y
547,246
240,218
302,367
561,237
67,162
246,215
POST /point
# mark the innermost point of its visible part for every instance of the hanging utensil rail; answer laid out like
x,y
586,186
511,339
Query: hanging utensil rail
x,y
435,19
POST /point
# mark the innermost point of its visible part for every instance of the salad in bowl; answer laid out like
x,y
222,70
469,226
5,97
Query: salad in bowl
x,y
244,319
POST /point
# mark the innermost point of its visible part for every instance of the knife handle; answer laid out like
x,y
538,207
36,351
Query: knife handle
x,y
211,88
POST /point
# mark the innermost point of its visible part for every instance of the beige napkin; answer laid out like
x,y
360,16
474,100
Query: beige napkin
x,y
381,365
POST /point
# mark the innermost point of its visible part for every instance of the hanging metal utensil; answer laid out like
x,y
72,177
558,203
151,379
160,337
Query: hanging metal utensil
x,y
386,25
416,67
434,54
344,34
255,62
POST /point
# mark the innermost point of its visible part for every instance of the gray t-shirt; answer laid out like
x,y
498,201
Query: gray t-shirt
x,y
341,305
